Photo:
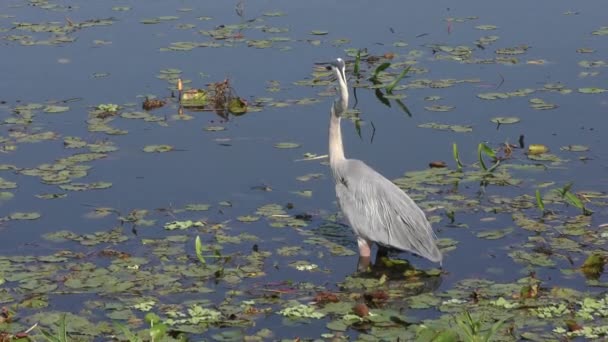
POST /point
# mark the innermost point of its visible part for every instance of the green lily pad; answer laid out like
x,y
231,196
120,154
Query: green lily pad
x,y
494,234
592,90
505,120
602,31
197,207
5,195
158,148
439,108
575,148
56,109
493,96
214,128
248,218
486,27
183,224
540,104
286,145
24,216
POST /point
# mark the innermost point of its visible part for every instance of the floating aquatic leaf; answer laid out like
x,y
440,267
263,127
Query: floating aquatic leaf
x,y
505,120
592,90
135,115
5,184
575,148
602,31
493,96
5,195
445,127
309,176
304,193
540,104
536,259
494,234
286,145
51,196
197,207
56,109
319,32
214,128
248,218
85,186
486,27
512,50
183,224
24,216
439,108
157,148
301,311
274,14
424,301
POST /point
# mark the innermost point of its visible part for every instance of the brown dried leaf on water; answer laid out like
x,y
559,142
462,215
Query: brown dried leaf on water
x,y
326,297
152,104
437,164
361,310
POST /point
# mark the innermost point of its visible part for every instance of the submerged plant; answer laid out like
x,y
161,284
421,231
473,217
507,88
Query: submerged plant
x,y
539,202
389,88
61,335
573,200
484,149
456,156
470,329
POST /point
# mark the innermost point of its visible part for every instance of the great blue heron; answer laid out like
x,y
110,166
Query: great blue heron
x,y
376,209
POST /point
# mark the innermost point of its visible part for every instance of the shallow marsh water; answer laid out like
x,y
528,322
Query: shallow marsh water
x,y
497,242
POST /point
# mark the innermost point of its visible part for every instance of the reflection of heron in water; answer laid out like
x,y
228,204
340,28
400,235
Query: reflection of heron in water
x,y
376,209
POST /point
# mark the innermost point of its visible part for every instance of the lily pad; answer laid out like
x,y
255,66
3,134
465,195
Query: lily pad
x,y
505,120
286,145
158,148
56,109
575,148
439,108
24,216
592,90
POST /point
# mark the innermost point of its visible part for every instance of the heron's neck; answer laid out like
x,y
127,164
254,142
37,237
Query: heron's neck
x,y
336,150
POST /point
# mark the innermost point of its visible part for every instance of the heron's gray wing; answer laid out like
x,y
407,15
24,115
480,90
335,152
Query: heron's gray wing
x,y
380,211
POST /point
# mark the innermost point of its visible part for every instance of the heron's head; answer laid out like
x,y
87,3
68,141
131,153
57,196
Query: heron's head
x,y
339,68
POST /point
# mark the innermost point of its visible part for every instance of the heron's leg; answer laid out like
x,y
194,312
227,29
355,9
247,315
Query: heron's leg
x,y
365,249
363,264
365,252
